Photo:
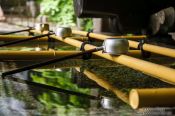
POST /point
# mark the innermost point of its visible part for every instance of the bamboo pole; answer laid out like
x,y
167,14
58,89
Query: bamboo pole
x,y
105,84
102,37
147,47
38,55
19,37
33,55
158,71
155,49
161,97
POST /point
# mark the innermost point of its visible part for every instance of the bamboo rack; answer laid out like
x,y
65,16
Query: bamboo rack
x,y
147,47
160,72
137,98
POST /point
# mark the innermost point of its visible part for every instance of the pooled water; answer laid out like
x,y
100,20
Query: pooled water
x,y
21,99
10,106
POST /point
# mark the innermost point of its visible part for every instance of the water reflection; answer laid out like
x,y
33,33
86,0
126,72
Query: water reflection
x,y
26,99
31,99
10,106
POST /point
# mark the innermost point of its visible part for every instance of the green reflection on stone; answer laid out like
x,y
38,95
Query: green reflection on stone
x,y
61,79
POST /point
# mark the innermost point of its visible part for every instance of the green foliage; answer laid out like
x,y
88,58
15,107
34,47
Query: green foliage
x,y
88,25
60,11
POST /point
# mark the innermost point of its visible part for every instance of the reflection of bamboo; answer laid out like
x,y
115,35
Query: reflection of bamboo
x,y
158,71
147,47
161,97
103,83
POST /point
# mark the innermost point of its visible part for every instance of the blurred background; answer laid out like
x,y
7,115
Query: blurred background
x,y
20,99
29,12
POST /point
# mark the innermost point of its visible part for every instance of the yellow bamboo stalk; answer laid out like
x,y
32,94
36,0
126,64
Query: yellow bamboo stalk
x,y
160,97
155,49
147,47
102,37
105,84
33,55
158,71
39,55
19,37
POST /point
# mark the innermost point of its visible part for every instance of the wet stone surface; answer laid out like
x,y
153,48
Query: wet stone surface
x,y
31,100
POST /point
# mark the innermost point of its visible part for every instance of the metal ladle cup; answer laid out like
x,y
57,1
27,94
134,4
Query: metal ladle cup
x,y
108,102
42,27
115,46
63,31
